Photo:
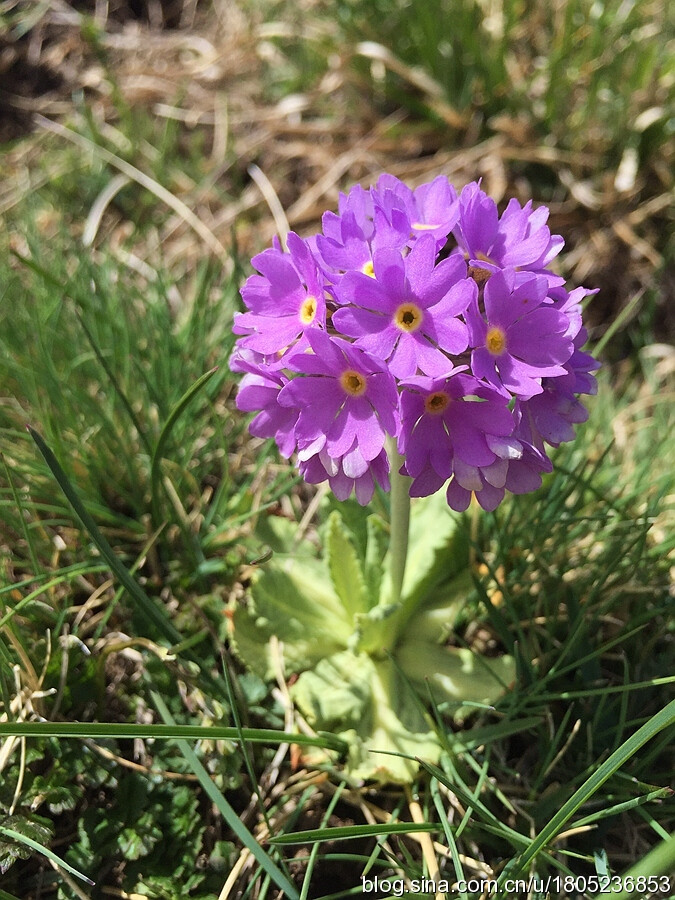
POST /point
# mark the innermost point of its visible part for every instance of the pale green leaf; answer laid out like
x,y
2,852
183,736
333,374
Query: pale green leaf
x,y
434,620
372,630
438,546
369,705
344,566
293,602
455,674
281,536
376,547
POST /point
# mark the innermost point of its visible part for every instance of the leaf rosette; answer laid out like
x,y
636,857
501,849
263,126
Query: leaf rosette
x,y
366,667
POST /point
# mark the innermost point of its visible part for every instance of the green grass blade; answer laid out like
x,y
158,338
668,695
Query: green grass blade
x,y
651,821
224,808
618,323
150,610
659,794
167,732
474,802
115,383
663,719
311,862
45,851
449,836
74,570
28,599
34,267
346,832
605,690
165,434
141,178
658,863
464,741
37,568
49,278
236,717
5,668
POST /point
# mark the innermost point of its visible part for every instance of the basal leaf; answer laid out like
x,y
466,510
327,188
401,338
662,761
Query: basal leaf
x,y
294,602
371,631
345,567
335,626
376,548
455,674
435,619
281,536
370,706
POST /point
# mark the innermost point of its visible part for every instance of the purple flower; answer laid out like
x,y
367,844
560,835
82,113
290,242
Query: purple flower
x,y
517,468
474,481
350,239
347,473
259,392
554,411
579,366
359,204
285,301
431,208
407,314
519,238
523,339
569,304
346,396
362,332
449,422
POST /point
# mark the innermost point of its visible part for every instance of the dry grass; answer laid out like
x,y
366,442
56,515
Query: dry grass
x,y
213,76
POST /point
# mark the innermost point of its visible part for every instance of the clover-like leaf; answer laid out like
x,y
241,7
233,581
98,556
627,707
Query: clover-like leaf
x,y
368,704
30,825
139,839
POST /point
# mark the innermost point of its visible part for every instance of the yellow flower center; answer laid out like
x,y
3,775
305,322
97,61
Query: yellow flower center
x,y
495,341
353,383
437,402
308,310
408,317
369,269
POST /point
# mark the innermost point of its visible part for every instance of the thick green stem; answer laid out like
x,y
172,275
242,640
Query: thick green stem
x,y
399,522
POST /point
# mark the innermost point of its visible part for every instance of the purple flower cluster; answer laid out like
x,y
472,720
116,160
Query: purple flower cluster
x,y
424,316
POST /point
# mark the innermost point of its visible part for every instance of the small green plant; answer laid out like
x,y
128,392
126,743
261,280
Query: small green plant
x,y
378,327
368,663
